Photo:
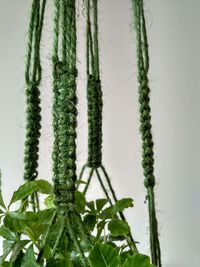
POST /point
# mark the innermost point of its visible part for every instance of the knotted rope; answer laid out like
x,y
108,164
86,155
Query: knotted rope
x,y
33,76
145,126
64,127
94,92
95,108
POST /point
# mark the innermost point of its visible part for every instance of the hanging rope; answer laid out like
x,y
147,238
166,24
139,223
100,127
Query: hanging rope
x,y
64,126
94,92
64,108
33,78
145,126
95,108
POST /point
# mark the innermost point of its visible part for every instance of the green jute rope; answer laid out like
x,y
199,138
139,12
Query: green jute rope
x,y
94,92
64,127
95,108
33,76
145,127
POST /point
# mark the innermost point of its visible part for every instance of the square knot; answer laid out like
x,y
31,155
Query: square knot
x,y
62,69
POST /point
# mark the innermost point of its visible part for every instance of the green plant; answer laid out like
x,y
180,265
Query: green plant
x,y
24,231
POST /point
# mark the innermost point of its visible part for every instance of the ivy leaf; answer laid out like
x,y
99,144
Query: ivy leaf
x,y
44,187
104,255
29,258
80,202
90,221
100,203
138,260
7,234
24,191
122,204
118,227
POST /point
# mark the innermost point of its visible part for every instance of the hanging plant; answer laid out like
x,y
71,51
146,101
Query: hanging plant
x,y
24,232
66,230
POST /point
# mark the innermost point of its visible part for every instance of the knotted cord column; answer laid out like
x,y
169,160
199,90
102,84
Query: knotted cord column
x,y
64,127
145,126
33,75
95,108
33,78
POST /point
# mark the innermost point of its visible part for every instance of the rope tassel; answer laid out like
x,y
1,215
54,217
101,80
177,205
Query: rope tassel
x,y
145,126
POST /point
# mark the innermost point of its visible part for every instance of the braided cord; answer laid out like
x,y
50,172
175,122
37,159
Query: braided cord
x,y
145,126
94,92
33,75
64,106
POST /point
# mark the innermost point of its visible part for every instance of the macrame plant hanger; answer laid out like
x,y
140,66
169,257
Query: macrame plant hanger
x,y
95,105
145,125
65,120
33,76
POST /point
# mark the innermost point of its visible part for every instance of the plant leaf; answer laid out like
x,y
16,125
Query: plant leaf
x,y
100,203
29,258
122,204
107,213
90,205
60,263
24,191
7,234
44,187
104,255
7,264
118,227
18,248
7,248
90,221
1,201
2,204
138,260
49,202
45,216
16,221
80,202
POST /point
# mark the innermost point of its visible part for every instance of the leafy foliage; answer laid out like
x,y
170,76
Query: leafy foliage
x,y
24,231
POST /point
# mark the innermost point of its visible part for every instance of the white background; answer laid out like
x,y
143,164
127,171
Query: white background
x,y
174,40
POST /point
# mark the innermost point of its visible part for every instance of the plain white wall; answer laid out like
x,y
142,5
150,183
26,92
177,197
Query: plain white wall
x,y
174,40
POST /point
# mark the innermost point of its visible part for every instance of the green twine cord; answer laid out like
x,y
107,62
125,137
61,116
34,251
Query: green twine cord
x,y
145,126
94,91
64,107
95,106
65,122
33,76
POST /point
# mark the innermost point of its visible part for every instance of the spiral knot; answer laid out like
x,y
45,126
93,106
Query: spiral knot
x,y
94,95
33,126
